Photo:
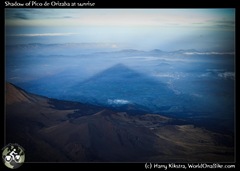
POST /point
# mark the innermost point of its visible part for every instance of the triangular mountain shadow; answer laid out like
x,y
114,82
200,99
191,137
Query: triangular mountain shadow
x,y
118,72
120,82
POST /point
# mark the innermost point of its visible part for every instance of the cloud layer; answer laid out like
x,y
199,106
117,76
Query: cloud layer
x,y
43,34
118,101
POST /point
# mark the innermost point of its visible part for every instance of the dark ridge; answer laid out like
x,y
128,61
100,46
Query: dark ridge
x,y
50,126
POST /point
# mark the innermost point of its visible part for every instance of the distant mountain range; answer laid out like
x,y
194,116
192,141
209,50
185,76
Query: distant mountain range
x,y
102,48
63,131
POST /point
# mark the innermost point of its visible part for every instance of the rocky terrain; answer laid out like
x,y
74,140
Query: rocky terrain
x,y
62,131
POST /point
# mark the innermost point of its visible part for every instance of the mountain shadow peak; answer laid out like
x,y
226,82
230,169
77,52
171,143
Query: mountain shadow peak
x,y
117,71
118,84
120,66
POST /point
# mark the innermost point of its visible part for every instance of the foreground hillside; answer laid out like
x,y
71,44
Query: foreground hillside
x,y
62,131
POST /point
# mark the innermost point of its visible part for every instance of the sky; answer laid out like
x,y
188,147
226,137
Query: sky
x,y
141,29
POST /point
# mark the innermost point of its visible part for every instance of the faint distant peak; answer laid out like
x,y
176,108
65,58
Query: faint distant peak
x,y
130,50
186,50
156,51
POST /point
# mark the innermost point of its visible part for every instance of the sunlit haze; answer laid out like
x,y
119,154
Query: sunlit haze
x,y
142,29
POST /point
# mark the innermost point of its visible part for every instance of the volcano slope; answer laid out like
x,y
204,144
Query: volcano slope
x,y
62,131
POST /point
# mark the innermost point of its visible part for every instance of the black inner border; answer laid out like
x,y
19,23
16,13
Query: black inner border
x,y
117,4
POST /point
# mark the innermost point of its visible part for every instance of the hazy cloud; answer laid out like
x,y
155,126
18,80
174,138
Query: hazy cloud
x,y
21,16
43,34
118,101
227,75
168,29
67,17
209,53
